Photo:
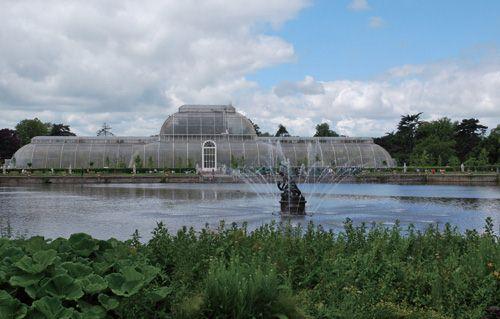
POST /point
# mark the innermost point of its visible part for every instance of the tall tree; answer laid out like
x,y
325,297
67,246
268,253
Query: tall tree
x,y
407,130
61,130
282,131
105,130
468,135
27,129
400,144
435,139
323,129
492,145
9,143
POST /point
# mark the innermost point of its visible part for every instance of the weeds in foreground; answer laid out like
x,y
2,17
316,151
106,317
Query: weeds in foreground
x,y
278,271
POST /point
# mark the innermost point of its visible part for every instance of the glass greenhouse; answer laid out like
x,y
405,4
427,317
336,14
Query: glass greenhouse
x,y
206,137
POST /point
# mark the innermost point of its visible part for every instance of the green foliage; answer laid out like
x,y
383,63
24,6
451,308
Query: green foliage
x,y
150,162
242,290
468,136
436,139
63,287
60,130
138,161
360,273
282,131
27,129
323,129
276,271
76,278
443,141
11,308
492,145
237,162
38,263
401,143
121,164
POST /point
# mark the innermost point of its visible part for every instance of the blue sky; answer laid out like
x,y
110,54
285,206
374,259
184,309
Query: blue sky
x,y
355,64
333,42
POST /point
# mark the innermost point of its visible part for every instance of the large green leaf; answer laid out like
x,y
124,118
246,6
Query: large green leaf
x,y
11,254
93,284
11,308
126,283
158,294
52,308
77,270
102,267
25,280
34,244
38,263
108,302
150,272
60,244
83,244
35,292
129,281
89,311
64,287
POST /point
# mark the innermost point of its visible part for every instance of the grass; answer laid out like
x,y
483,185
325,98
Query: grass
x,y
283,271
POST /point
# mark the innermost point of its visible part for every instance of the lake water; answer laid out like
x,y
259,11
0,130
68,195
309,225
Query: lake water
x,y
116,210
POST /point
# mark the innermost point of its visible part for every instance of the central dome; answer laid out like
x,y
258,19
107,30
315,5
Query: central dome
x,y
207,121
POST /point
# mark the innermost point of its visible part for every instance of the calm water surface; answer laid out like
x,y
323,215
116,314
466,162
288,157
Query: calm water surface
x,y
116,210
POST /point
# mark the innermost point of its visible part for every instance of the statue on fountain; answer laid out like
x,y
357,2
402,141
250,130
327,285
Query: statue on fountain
x,y
292,201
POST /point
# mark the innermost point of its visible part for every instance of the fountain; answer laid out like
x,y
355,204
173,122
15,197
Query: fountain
x,y
316,179
292,201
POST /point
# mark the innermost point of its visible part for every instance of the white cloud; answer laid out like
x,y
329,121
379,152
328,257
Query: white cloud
x,y
376,22
132,64
455,89
307,87
124,60
358,5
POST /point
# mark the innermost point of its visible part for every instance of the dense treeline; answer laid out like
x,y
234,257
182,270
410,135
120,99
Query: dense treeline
x,y
442,142
276,271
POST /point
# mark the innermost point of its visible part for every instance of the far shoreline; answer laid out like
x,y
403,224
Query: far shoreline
x,y
470,179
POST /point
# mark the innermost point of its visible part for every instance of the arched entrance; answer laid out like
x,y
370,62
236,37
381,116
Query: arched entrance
x,y
209,156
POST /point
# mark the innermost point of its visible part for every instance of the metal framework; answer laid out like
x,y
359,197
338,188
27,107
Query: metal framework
x,y
204,136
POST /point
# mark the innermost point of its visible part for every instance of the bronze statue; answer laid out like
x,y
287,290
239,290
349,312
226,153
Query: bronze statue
x,y
292,201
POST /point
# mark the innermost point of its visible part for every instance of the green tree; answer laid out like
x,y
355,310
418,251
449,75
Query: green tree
x,y
105,130
138,161
436,139
482,159
421,159
9,143
468,135
492,145
281,132
27,129
400,144
323,129
61,130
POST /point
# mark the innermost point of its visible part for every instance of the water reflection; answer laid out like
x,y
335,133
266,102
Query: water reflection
x,y
117,210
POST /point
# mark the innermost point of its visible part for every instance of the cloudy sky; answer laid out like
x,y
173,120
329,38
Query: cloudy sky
x,y
357,64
